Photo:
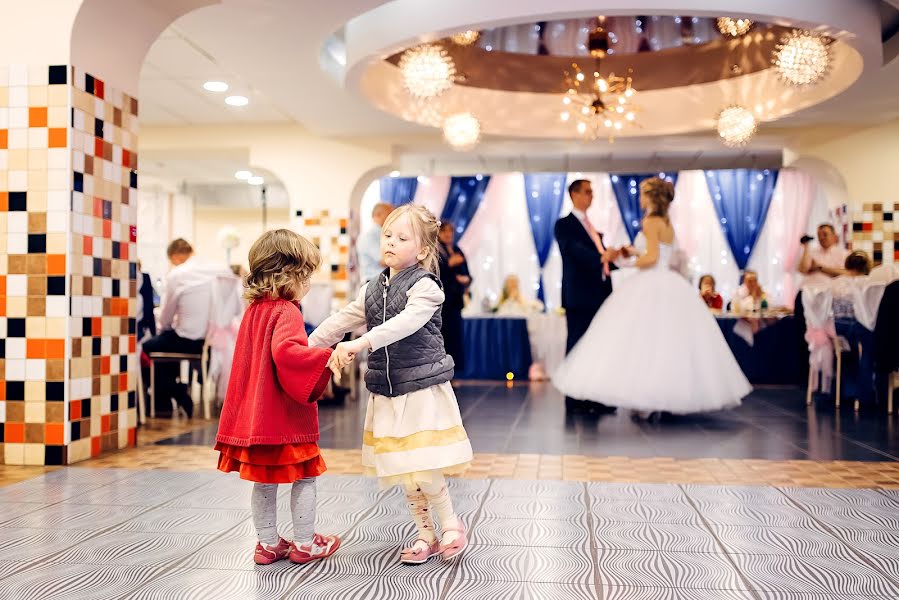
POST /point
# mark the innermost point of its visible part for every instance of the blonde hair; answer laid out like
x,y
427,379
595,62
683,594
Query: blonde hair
x,y
425,227
660,193
504,295
281,263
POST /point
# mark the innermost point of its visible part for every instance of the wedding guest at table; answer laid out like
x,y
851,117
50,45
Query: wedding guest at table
x,y
856,268
513,303
750,296
456,279
708,293
369,244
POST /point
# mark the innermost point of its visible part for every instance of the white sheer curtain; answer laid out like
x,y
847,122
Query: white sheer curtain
x,y
498,242
431,193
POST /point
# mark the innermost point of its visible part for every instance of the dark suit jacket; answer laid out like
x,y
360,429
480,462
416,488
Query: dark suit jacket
x,y
148,319
583,286
452,289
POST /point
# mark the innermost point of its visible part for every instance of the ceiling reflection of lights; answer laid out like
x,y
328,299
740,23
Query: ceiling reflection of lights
x,y
256,180
428,70
461,130
243,175
237,101
215,86
736,125
731,27
802,58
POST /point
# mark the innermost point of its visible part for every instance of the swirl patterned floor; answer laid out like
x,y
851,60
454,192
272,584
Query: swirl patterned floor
x,y
79,533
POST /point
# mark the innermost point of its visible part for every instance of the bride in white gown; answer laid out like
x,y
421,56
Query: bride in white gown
x,y
653,346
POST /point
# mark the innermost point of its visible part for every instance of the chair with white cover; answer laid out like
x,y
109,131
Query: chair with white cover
x,y
225,313
823,343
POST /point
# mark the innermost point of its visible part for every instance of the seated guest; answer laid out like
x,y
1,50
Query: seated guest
x,y
750,296
856,268
708,293
511,301
369,244
183,321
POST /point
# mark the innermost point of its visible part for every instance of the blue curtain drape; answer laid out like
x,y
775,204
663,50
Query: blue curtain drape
x,y
544,193
462,201
627,193
397,191
741,198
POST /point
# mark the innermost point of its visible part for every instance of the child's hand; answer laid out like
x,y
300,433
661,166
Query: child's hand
x,y
335,370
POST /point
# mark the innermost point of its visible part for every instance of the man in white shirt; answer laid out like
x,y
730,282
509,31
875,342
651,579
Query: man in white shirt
x,y
820,265
183,321
369,244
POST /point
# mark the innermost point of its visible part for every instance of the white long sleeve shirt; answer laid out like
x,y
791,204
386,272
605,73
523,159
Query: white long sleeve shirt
x,y
188,298
424,299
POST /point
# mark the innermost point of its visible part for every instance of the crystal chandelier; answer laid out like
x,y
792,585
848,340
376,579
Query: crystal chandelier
x,y
461,130
802,57
736,125
597,104
728,26
466,38
428,70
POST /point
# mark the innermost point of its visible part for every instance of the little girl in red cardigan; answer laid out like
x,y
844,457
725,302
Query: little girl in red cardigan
x,y
268,431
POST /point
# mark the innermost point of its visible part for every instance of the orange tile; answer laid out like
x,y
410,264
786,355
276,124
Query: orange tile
x,y
88,245
58,137
132,341
2,285
98,147
14,433
75,410
123,382
36,349
107,229
4,139
2,306
54,433
56,264
132,436
96,326
4,196
104,365
95,446
56,349
104,424
37,116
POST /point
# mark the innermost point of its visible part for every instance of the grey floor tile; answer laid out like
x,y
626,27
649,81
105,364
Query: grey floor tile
x,y
647,593
529,533
186,521
124,493
654,536
28,544
736,494
646,492
77,516
760,515
788,541
67,581
532,508
813,574
645,512
494,563
629,568
464,589
11,510
859,517
43,492
839,496
138,548
189,584
562,490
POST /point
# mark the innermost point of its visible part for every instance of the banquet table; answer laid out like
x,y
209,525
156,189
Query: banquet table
x,y
772,358
495,346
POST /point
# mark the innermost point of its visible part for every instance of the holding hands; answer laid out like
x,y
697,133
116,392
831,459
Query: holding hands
x,y
344,353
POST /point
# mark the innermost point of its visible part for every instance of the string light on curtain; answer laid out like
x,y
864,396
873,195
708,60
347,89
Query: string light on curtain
x,y
731,27
802,57
466,38
461,130
428,70
736,125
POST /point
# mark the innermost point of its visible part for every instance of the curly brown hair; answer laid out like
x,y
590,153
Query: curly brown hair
x,y
281,264
660,194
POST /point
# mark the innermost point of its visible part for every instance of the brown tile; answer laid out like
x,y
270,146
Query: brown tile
x,y
76,348
34,433
88,165
37,306
56,370
95,385
123,329
37,284
88,286
106,267
36,264
114,422
96,367
132,289
117,117
115,348
56,412
17,264
37,222
15,411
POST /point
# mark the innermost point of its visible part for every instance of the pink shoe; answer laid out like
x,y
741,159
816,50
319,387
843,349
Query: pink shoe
x,y
457,546
416,555
266,555
321,546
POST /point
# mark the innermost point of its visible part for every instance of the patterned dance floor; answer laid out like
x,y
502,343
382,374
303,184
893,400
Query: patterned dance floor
x,y
79,533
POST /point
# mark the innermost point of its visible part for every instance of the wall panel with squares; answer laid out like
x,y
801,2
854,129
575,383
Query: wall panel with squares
x,y
330,234
874,230
67,277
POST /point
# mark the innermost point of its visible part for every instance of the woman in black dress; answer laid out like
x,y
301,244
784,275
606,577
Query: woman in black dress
x,y
456,279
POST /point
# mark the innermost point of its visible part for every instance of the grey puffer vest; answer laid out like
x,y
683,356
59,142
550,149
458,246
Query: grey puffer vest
x,y
415,362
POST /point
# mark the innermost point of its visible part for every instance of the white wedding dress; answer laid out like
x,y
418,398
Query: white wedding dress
x,y
654,346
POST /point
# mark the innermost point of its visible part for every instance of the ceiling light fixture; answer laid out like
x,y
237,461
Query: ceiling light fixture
x,y
394,173
461,130
736,125
466,38
243,175
237,101
255,180
731,27
215,86
802,57
428,70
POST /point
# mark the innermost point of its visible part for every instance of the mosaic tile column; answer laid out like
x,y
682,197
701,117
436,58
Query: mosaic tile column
x,y
874,230
67,276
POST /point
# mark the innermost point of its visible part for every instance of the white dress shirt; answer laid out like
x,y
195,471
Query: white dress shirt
x,y
369,247
832,258
188,298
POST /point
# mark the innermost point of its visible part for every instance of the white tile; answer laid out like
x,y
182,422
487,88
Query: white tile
x,y
58,179
18,75
107,287
2,411
4,159
38,75
57,221
89,185
15,348
4,116
38,137
57,306
2,327
15,369
58,158
35,369
78,161
18,139
18,97
117,154
17,285
99,107
57,116
18,117
17,180
17,222
59,200
35,412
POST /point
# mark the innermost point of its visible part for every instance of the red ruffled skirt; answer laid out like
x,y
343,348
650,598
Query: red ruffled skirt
x,y
281,463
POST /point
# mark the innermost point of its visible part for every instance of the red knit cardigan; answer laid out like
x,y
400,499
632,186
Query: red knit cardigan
x,y
275,379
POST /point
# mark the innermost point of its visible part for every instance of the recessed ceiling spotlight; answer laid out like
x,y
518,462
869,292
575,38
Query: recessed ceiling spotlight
x,y
394,173
243,175
215,86
237,100
255,180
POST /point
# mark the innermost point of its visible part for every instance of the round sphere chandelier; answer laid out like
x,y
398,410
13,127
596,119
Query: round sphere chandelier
x,y
466,38
802,57
731,27
428,70
461,130
736,125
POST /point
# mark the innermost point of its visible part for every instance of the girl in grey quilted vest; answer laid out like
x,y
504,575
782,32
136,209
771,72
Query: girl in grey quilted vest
x,y
413,433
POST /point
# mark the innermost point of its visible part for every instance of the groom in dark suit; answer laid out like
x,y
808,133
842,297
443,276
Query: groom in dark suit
x,y
586,281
